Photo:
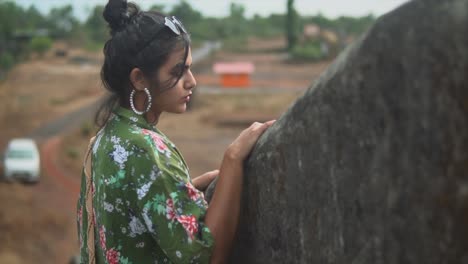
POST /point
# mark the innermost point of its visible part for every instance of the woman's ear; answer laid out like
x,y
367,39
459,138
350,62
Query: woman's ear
x,y
138,79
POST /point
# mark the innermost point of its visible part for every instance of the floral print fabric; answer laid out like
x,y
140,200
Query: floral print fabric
x,y
146,209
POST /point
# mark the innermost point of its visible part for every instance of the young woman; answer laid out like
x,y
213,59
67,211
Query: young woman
x,y
146,209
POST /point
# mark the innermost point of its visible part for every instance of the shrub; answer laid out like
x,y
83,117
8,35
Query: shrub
x,y
41,44
235,44
308,52
86,129
72,153
6,61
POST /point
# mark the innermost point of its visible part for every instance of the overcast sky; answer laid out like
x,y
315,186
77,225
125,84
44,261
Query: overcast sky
x,y
330,8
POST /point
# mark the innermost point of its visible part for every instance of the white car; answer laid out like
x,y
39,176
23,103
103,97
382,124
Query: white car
x,y
21,160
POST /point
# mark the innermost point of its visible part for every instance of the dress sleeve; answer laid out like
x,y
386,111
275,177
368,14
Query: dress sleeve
x,y
171,208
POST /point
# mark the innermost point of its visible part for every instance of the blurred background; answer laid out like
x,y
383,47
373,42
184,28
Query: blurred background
x,y
252,60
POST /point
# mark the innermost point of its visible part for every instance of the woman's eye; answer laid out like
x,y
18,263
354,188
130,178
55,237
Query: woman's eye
x,y
180,69
176,71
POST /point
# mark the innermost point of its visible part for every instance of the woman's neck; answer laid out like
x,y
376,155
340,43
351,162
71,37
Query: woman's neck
x,y
152,117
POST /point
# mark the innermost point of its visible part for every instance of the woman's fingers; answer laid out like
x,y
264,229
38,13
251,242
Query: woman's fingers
x,y
271,122
242,146
261,127
202,181
212,174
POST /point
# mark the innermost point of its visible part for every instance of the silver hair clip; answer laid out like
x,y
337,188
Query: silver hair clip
x,y
174,24
171,22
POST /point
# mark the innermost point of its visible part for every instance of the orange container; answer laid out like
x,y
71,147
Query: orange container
x,y
235,80
234,74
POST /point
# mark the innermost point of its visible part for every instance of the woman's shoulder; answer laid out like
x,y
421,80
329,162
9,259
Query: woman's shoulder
x,y
123,135
118,136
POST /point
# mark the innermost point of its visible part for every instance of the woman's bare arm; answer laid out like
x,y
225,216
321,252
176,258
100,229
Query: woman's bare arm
x,y
201,182
223,213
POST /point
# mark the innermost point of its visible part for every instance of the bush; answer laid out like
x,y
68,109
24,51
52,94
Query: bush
x,y
73,153
308,52
41,44
235,44
6,61
86,129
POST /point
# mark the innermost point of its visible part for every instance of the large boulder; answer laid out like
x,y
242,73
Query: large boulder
x,y
371,164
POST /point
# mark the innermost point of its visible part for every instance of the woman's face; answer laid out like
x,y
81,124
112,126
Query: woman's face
x,y
175,99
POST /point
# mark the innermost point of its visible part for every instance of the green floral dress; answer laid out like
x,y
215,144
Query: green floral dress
x,y
146,209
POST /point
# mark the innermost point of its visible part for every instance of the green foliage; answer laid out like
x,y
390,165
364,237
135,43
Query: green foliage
x,y
158,7
57,101
93,46
61,21
291,25
40,44
209,28
236,24
265,26
11,17
235,44
96,26
352,25
23,30
19,36
186,13
309,52
206,29
343,24
321,21
6,61
343,27
73,153
86,129
236,12
35,18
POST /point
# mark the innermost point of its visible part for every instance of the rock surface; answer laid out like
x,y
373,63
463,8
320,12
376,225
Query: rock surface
x,y
371,164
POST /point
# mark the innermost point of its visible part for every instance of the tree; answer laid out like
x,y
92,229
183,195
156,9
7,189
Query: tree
x,y
11,22
41,44
237,11
96,26
291,25
158,7
11,16
186,13
236,23
35,19
61,21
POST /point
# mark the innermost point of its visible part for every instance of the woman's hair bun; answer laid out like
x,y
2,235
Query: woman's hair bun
x,y
118,14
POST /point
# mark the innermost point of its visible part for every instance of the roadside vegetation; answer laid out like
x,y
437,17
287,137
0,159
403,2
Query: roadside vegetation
x,y
310,38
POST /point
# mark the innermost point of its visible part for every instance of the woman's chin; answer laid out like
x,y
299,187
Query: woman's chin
x,y
180,109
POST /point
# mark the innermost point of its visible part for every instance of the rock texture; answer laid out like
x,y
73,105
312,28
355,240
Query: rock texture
x,y
371,164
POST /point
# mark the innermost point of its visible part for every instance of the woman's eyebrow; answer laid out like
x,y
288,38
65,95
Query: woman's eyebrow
x,y
182,64
178,65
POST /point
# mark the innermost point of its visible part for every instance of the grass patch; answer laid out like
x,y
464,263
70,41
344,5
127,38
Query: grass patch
x,y
72,153
57,101
86,129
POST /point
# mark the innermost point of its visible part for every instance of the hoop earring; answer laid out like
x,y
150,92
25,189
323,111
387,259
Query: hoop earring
x,y
148,107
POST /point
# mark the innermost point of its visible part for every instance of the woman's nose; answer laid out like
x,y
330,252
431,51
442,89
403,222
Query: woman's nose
x,y
190,82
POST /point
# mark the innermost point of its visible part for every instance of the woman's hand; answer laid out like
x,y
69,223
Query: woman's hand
x,y
241,147
201,182
223,212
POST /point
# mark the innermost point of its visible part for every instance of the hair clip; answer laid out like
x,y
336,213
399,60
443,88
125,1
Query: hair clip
x,y
174,24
